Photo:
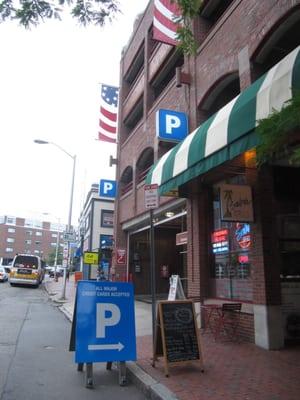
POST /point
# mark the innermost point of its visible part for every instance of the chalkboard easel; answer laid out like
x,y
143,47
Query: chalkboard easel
x,y
176,336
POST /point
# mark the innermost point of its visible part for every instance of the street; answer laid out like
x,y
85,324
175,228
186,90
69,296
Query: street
x,y
34,359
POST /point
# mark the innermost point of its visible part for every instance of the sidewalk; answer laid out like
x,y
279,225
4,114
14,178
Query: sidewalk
x,y
233,371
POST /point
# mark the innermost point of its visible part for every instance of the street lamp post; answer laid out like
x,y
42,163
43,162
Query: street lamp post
x,y
39,141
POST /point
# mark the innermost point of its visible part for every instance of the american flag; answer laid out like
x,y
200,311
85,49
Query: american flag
x,y
164,27
108,114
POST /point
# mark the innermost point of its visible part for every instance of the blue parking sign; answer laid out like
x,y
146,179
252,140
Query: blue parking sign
x,y
107,188
171,125
105,322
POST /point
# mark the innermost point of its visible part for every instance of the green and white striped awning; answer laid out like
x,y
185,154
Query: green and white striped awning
x,y
229,132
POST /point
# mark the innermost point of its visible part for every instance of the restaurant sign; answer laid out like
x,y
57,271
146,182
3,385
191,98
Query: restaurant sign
x,y
236,203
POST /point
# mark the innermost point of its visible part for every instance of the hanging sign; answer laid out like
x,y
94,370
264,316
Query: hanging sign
x,y
236,203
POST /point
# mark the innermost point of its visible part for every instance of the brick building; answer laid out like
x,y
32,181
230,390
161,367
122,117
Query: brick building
x,y
247,64
28,236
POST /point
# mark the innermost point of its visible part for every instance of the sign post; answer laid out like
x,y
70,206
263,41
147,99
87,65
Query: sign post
x,y
151,202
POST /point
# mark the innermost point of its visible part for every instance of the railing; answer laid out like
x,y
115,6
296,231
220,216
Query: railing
x,y
126,188
142,175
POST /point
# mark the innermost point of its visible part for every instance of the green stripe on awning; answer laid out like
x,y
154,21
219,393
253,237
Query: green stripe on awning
x,y
231,131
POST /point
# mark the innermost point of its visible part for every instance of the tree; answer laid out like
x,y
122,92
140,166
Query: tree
x,y
96,12
189,10
32,12
51,257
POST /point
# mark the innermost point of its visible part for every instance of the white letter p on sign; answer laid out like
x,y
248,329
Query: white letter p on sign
x,y
107,186
106,315
172,122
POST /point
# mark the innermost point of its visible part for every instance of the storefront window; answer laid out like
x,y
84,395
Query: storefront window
x,y
230,245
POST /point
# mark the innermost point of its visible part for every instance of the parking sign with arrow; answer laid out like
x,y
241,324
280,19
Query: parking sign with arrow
x,y
105,322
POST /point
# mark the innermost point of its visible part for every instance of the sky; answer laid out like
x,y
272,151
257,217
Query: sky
x,y
50,80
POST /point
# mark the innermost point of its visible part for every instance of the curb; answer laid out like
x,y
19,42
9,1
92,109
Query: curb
x,y
151,388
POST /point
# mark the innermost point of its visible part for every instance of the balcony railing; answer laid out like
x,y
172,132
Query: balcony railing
x,y
126,188
142,175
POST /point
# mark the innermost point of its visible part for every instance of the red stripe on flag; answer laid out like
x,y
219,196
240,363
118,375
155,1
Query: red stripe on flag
x,y
104,138
161,37
107,128
109,115
165,21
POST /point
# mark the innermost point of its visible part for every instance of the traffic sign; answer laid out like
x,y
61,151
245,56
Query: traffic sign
x,y
69,236
105,322
151,196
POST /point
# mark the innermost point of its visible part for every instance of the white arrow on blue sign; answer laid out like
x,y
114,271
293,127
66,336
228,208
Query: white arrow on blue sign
x,y
105,322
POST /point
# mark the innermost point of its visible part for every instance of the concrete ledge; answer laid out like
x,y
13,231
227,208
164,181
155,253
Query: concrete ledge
x,y
151,388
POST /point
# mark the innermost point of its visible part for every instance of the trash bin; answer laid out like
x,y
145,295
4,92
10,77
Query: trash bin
x,y
78,276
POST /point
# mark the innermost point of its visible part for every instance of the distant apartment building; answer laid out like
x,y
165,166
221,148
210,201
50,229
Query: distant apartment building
x,y
28,236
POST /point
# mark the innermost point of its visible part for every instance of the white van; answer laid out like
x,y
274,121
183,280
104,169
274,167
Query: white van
x,y
27,270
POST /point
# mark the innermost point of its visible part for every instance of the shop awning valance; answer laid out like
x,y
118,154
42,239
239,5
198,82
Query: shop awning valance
x,y
231,131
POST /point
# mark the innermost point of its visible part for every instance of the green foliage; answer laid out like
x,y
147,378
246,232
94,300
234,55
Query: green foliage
x,y
274,131
190,10
51,257
32,12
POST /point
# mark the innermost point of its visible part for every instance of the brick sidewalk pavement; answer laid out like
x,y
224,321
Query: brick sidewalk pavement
x,y
233,371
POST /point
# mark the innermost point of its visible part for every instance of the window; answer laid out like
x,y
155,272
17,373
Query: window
x,y
10,240
11,220
135,115
38,242
213,10
29,233
11,230
28,241
38,233
87,222
107,218
54,235
230,249
36,251
126,181
106,241
9,250
33,223
53,244
166,74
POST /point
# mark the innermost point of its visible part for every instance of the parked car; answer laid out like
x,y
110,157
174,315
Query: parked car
x,y
3,274
59,272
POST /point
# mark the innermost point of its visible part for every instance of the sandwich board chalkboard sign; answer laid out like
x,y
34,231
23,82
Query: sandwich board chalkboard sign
x,y
177,337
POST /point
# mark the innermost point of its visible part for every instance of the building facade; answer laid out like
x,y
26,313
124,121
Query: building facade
x,y
28,236
96,227
237,77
